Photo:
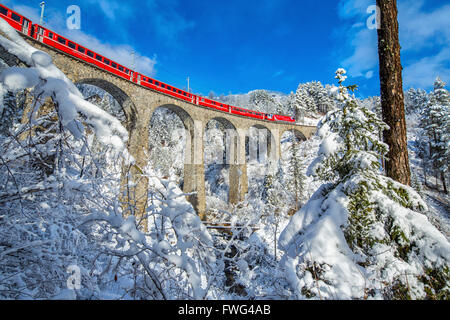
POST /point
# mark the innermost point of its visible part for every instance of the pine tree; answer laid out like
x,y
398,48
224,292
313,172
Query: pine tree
x,y
324,102
360,149
295,178
436,124
303,103
415,100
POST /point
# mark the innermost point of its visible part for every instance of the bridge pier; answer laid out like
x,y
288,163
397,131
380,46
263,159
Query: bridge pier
x,y
135,182
194,168
194,181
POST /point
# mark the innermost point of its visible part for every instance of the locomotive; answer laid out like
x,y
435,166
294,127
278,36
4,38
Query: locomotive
x,y
57,41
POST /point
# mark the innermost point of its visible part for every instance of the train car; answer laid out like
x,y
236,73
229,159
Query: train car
x,y
166,88
213,104
278,117
247,112
17,21
59,42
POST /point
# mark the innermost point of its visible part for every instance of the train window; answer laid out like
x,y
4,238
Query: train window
x,y
4,11
99,58
156,83
120,68
184,93
163,85
90,54
174,90
105,61
15,17
61,40
71,45
81,49
127,71
114,65
50,35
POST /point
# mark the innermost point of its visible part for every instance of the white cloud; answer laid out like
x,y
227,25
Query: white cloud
x,y
422,73
119,53
352,8
167,22
369,74
278,73
420,29
365,55
109,8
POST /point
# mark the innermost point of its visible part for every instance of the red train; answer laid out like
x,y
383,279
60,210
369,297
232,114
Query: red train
x,y
61,43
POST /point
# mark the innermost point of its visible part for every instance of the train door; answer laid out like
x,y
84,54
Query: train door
x,y
26,26
135,77
40,34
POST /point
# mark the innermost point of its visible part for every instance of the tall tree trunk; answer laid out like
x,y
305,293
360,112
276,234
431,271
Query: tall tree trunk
x,y
391,89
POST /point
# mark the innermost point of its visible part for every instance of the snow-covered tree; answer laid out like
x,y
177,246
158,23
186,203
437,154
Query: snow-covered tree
x,y
262,100
294,177
167,138
415,100
303,104
362,234
435,122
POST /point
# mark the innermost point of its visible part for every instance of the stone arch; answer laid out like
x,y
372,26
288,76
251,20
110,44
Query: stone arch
x,y
297,133
185,116
255,147
128,107
230,139
228,159
189,125
194,174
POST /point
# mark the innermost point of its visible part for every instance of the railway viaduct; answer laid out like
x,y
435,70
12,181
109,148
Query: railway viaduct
x,y
138,104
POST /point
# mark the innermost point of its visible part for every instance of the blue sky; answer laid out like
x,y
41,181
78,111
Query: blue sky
x,y
237,46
